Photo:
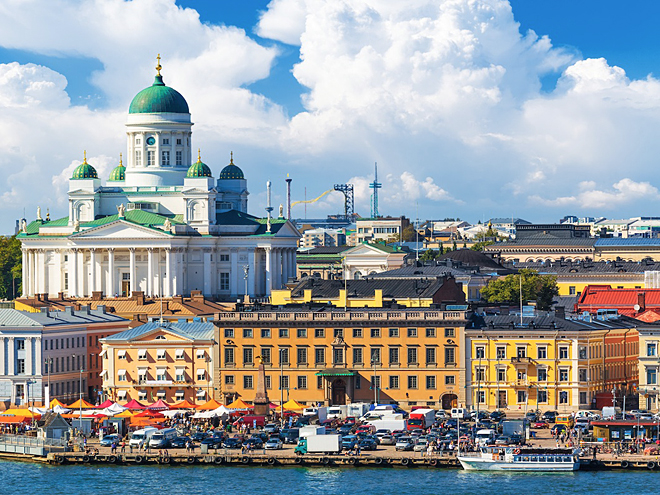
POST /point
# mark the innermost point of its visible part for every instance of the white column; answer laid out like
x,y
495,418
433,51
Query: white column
x,y
28,356
30,272
92,270
43,280
269,265
150,272
278,268
11,357
207,271
285,266
2,355
132,270
175,275
167,279
294,263
60,268
24,277
110,281
82,273
253,271
73,273
37,356
234,274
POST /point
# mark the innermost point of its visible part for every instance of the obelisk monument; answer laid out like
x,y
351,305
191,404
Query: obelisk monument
x,y
261,400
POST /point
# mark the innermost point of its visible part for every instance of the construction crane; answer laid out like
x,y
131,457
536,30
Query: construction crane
x,y
308,201
346,190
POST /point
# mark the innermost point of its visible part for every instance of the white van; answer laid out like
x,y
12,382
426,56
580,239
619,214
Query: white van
x,y
161,439
485,437
459,413
140,437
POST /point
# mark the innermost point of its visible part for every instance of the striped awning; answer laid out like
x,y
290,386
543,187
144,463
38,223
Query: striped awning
x,y
336,372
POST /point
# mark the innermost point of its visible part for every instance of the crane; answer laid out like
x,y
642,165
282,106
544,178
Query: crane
x,y
308,201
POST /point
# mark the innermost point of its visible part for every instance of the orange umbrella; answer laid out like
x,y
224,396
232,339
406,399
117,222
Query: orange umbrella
x,y
239,404
56,402
210,405
183,405
85,405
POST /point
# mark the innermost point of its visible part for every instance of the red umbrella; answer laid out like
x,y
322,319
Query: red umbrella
x,y
149,414
160,405
133,404
107,403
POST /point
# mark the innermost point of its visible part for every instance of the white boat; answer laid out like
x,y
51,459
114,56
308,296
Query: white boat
x,y
514,459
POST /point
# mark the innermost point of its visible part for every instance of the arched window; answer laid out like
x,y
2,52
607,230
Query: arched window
x,y
357,275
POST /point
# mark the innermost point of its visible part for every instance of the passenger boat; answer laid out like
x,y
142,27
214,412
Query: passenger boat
x,y
513,459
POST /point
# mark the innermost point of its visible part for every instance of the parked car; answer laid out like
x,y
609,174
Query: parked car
x,y
254,442
178,442
387,440
232,443
345,429
549,416
271,428
497,415
441,414
531,416
348,442
404,443
381,433
540,424
517,439
368,444
480,415
214,442
421,445
503,440
274,443
108,439
199,436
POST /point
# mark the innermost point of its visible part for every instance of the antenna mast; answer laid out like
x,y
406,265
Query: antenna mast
x,y
375,185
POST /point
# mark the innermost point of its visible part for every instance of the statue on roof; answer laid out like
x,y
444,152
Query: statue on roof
x,y
120,210
39,213
76,226
24,226
281,210
167,225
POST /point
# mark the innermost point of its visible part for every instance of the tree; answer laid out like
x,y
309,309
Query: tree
x,y
10,267
541,288
408,234
429,255
479,246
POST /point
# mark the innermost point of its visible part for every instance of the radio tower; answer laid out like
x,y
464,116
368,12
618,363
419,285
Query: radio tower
x,y
288,197
375,185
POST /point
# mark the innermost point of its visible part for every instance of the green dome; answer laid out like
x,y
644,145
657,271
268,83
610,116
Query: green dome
x,y
118,173
199,169
159,98
231,171
85,171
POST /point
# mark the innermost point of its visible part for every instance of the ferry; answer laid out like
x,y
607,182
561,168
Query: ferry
x,y
492,458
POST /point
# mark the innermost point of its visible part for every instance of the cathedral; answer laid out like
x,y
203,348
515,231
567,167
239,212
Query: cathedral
x,y
161,224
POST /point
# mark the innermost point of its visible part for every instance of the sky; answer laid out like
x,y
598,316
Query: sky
x,y
471,108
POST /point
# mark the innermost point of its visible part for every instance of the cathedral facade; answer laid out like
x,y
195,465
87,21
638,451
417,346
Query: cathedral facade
x,y
161,224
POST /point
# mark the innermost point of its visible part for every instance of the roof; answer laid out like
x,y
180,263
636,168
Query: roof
x,y
16,318
472,257
231,171
199,169
605,297
545,240
158,98
543,321
630,241
118,173
516,221
425,271
84,171
187,330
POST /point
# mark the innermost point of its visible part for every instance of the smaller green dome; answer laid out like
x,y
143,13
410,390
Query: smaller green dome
x,y
118,174
85,170
199,169
231,171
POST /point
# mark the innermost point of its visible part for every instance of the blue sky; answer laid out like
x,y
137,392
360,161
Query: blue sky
x,y
506,125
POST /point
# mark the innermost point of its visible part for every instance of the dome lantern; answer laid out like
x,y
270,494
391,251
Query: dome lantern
x,y
231,171
84,170
199,168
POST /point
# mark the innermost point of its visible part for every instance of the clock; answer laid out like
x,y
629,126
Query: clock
x,y
151,141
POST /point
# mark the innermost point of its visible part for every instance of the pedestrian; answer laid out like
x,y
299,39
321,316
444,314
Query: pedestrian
x,y
123,446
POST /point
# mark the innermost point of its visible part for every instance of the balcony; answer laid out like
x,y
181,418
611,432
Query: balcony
x,y
522,360
520,383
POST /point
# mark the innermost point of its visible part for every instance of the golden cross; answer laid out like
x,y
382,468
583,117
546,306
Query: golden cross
x,y
84,156
158,67
231,160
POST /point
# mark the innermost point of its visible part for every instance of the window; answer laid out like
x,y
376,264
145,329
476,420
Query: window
x,y
121,376
430,332
284,355
500,351
394,355
412,382
450,355
542,396
319,382
166,141
571,290
501,375
522,396
265,333
357,333
66,280
479,374
357,355
178,142
229,333
375,382
283,382
301,354
412,333
224,281
265,355
582,352
521,351
563,397
651,349
247,333
449,332
375,333
480,352
302,382
165,159
229,355
394,332
583,397
229,379
375,355
20,366
542,352
338,355
20,344
201,375
138,140
302,333
563,352
319,355
582,374
430,382
358,382
247,381
248,355
481,396
142,355
319,333
563,375
651,376
179,156
268,383
412,355
430,355
394,381
284,333
450,379
224,257
542,374
339,333
151,158
161,354
138,158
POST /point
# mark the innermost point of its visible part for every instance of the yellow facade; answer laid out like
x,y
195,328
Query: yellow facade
x,y
649,367
570,286
524,368
283,297
152,362
337,357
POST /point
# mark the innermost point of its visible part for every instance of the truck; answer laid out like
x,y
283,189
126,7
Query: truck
x,y
389,424
421,418
307,431
142,437
611,412
516,427
337,412
319,444
357,409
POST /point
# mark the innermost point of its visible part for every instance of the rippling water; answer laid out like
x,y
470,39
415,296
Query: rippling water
x,y
28,478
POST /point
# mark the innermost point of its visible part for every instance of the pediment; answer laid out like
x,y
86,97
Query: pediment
x,y
120,229
161,335
288,230
364,250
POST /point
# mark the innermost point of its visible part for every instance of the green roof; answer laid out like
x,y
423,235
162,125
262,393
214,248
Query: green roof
x,y
140,217
159,98
199,169
118,173
84,171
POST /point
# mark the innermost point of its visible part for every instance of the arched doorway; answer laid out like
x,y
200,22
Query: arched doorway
x,y
338,392
449,401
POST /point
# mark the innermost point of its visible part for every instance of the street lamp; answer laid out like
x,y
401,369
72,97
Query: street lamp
x,y
281,388
246,272
373,360
80,390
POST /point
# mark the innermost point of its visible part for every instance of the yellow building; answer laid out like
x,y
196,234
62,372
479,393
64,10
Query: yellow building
x,y
172,361
372,293
548,362
649,366
331,356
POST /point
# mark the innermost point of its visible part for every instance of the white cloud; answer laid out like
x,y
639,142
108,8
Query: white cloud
x,y
284,20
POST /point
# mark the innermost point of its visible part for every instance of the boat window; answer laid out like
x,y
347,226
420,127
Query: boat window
x,y
516,458
526,459
542,459
535,459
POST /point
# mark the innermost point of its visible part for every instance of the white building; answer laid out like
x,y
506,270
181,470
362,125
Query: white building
x,y
162,224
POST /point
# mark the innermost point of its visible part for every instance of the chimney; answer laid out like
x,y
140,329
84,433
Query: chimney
x,y
45,296
560,312
37,297
68,310
138,297
60,296
196,295
97,295
85,309
101,308
641,301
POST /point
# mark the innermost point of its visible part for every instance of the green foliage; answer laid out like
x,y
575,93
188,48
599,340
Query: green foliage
x,y
429,255
541,288
479,246
10,266
408,234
